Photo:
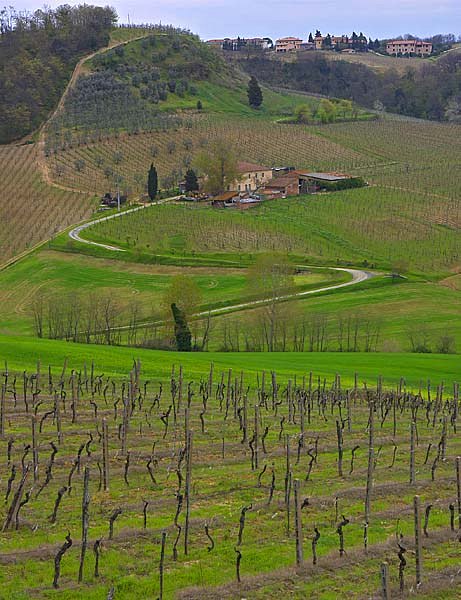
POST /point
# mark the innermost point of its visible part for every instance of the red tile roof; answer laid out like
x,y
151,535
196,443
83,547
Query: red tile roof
x,y
247,167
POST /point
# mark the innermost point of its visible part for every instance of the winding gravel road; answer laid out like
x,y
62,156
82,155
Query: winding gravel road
x,y
75,233
357,275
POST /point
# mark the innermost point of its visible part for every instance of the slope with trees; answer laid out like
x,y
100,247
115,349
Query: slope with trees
x,y
37,55
430,92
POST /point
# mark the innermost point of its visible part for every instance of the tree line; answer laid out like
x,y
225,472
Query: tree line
x,y
431,92
38,52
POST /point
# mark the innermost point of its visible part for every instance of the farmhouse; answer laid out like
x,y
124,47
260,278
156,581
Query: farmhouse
x,y
288,44
251,177
282,186
408,47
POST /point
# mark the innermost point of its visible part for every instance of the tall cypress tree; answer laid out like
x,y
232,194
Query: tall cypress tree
x,y
255,95
191,181
152,183
181,330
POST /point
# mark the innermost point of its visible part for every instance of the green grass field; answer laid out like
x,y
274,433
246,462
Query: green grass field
x,y
24,352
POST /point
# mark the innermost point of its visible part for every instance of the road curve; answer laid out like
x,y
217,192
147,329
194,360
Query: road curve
x,y
357,275
76,231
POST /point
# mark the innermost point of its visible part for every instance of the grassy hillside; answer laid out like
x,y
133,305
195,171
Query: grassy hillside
x,y
373,60
375,225
23,353
66,277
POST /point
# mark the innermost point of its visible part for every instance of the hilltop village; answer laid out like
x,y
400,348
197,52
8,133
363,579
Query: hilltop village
x,y
408,46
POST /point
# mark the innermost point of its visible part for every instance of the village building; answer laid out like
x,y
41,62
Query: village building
x,y
251,177
236,44
281,187
307,46
318,42
408,47
288,44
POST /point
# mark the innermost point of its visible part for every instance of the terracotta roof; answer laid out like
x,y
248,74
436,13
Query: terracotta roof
x,y
284,180
289,39
247,167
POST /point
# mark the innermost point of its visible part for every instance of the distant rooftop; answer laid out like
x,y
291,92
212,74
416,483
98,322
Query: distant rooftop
x,y
289,39
247,167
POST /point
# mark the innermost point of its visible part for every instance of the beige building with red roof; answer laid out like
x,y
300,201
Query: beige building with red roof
x,y
288,44
251,177
416,47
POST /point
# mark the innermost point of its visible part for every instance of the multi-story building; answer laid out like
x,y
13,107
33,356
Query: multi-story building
x,y
288,44
251,177
406,47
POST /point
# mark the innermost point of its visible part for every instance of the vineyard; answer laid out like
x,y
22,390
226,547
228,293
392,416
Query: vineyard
x,y
376,225
173,151
221,482
30,209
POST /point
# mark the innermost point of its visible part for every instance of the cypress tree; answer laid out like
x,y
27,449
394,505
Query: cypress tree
x,y
199,105
152,183
191,181
181,330
255,95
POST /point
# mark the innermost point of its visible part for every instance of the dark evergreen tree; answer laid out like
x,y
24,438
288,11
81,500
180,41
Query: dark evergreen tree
x,y
255,95
327,42
191,181
152,183
181,330
199,105
311,39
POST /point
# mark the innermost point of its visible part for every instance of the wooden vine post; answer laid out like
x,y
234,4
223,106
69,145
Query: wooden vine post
x,y
371,458
105,455
298,523
85,520
385,581
418,540
2,409
161,565
34,446
458,488
412,452
256,447
187,491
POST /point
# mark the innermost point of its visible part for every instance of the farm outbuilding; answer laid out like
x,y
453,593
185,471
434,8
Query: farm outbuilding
x,y
311,182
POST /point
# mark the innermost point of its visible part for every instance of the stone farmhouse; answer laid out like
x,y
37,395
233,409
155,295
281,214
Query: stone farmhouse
x,y
258,183
251,177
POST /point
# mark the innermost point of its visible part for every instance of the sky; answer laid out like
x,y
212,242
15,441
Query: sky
x,y
280,18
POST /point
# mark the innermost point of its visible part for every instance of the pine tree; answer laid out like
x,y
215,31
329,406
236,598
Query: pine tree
x,y
255,95
311,39
152,183
191,181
